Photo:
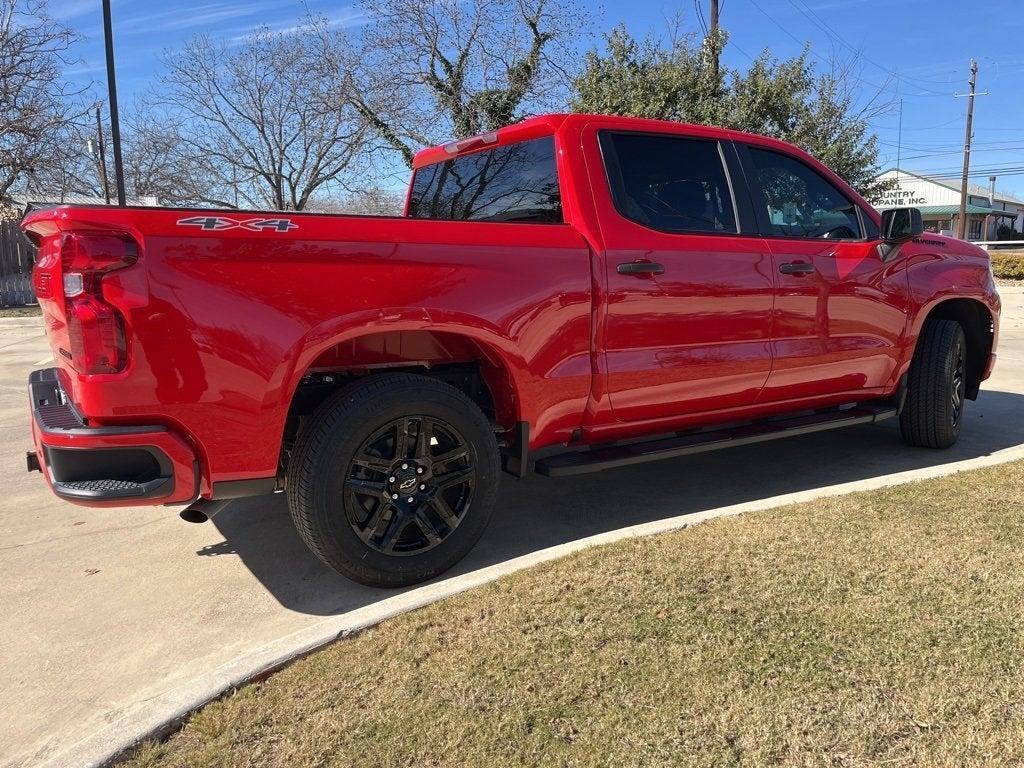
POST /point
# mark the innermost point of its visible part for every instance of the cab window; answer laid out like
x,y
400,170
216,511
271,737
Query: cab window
x,y
800,202
511,183
669,183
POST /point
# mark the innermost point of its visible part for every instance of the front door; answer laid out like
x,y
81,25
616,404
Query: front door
x,y
689,295
840,310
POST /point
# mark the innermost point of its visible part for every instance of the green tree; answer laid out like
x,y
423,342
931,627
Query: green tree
x,y
645,78
786,99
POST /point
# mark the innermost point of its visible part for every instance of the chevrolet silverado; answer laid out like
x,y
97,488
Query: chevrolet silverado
x,y
568,294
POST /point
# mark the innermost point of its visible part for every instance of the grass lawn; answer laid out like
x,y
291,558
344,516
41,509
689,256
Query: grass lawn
x,y
877,628
31,311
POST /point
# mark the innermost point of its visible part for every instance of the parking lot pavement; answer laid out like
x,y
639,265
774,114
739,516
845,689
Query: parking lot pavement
x,y
104,610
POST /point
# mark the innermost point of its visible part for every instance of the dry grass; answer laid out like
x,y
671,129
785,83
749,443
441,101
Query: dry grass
x,y
30,311
878,628
1008,265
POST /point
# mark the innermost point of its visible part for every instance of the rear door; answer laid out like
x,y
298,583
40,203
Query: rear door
x,y
689,283
840,310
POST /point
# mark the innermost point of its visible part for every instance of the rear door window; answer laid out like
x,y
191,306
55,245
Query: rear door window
x,y
512,183
669,183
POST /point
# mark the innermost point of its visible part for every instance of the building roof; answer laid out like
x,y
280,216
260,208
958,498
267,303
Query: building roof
x,y
953,210
973,189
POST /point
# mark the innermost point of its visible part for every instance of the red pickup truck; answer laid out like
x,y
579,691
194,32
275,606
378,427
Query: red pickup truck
x,y
567,294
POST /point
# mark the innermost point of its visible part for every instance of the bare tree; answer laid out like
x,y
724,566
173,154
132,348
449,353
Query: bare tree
x,y
434,69
266,123
72,162
157,163
36,105
160,160
372,201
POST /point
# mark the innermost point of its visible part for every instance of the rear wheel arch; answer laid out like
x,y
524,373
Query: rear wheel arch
x,y
484,369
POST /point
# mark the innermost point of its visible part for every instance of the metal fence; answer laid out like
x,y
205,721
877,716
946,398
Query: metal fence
x,y
17,255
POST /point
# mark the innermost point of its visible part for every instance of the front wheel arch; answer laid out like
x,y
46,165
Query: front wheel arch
x,y
979,330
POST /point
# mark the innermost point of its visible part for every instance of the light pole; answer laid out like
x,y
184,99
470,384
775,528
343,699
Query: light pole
x,y
115,128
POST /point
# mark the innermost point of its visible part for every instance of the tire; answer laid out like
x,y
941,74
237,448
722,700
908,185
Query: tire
x,y
933,411
364,515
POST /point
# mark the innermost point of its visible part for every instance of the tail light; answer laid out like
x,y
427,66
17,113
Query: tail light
x,y
95,328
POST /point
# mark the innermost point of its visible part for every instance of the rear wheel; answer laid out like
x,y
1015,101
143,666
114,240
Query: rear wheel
x,y
394,479
936,393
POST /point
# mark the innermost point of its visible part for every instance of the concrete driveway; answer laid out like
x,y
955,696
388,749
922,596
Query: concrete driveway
x,y
105,610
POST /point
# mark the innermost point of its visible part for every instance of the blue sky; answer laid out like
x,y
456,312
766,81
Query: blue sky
x,y
918,51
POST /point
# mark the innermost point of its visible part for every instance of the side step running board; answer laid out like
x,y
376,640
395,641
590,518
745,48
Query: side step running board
x,y
581,462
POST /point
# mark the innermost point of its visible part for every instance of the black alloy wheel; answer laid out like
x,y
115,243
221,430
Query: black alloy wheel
x,y
958,387
409,485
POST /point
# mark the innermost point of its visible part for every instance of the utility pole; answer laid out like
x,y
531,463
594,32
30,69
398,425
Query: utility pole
x,y
714,41
899,144
115,129
101,147
961,222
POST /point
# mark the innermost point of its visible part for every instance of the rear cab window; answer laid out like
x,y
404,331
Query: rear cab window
x,y
669,183
514,183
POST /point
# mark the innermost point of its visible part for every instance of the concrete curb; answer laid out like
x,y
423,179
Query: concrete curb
x,y
157,716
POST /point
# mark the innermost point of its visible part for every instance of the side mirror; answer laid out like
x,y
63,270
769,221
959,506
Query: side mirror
x,y
901,224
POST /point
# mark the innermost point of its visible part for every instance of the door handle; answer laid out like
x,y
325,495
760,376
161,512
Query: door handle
x,y
796,268
640,268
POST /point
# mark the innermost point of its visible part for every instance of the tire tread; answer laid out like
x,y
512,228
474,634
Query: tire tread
x,y
363,396
924,421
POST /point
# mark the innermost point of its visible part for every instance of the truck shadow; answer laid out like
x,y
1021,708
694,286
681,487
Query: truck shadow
x,y
538,512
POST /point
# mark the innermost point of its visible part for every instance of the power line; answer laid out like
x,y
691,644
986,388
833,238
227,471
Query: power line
x,y
924,128
949,170
973,174
938,148
700,16
952,173
958,151
995,168
811,14
818,56
1007,171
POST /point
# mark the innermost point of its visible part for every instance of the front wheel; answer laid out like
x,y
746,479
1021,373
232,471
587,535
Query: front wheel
x,y
393,480
936,393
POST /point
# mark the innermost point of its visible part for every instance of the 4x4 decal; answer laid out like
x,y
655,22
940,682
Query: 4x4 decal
x,y
221,223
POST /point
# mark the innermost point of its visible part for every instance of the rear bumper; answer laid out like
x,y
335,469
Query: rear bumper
x,y
103,465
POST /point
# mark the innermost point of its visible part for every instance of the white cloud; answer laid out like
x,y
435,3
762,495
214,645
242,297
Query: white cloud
x,y
206,15
349,17
72,9
83,69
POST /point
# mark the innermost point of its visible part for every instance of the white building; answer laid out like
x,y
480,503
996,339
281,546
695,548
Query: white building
x,y
939,201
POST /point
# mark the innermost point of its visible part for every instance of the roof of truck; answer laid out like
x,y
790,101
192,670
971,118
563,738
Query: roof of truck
x,y
532,128
547,125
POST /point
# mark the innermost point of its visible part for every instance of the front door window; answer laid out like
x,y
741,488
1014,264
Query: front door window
x,y
800,202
